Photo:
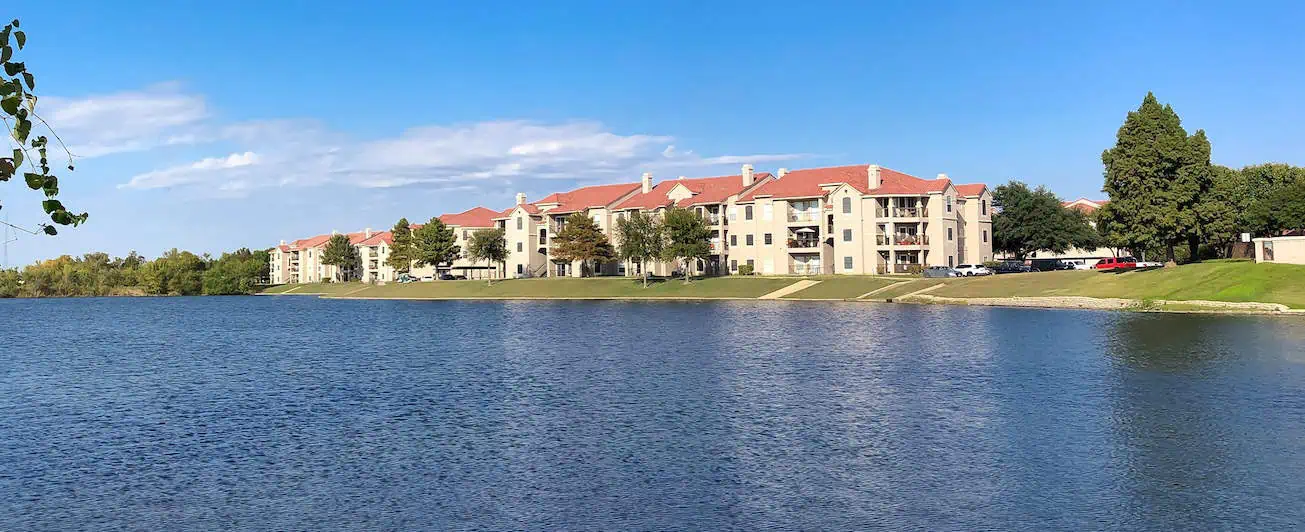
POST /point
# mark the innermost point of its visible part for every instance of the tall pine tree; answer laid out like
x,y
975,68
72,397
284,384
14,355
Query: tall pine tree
x,y
400,257
1155,176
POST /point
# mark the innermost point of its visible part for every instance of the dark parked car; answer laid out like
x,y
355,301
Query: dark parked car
x,y
1049,265
451,277
1012,266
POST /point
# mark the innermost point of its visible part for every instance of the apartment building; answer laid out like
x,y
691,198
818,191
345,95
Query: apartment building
x,y
528,226
707,196
860,219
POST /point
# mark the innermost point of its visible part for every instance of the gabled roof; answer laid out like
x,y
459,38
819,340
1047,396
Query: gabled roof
x,y
971,190
1084,205
806,183
528,207
474,217
377,239
587,197
704,190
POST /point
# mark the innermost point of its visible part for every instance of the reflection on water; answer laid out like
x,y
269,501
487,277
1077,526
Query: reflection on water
x,y
290,413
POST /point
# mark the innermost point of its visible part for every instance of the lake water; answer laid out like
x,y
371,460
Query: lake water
x,y
289,413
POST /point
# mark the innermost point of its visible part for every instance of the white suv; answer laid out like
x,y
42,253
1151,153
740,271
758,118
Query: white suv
x,y
971,270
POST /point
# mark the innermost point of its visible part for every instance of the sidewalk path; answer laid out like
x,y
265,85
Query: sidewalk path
x,y
795,287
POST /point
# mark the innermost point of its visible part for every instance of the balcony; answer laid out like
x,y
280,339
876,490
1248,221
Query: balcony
x,y
804,269
803,243
910,212
902,239
717,246
903,268
713,219
803,216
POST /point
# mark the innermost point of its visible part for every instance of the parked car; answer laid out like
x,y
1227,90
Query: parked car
x,y
971,270
1149,265
1012,266
1049,265
1083,265
427,278
405,278
940,271
446,277
1116,264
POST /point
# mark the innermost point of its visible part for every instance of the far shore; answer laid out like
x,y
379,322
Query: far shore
x,y
1216,287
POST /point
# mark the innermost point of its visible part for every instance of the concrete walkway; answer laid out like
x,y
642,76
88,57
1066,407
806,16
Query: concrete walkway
x,y
795,287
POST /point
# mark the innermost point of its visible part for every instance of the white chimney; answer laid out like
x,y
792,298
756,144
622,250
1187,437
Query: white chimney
x,y
942,176
283,242
782,172
747,175
367,233
872,172
334,232
645,181
680,178
521,198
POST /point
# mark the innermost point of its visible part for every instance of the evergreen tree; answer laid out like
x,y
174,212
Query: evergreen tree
x,y
488,245
1155,175
640,239
581,240
1222,209
1034,220
434,244
687,238
343,255
1283,209
400,257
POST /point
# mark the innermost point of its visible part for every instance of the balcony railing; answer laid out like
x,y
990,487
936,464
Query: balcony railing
x,y
804,269
803,243
717,246
881,213
902,240
911,268
910,212
712,219
803,216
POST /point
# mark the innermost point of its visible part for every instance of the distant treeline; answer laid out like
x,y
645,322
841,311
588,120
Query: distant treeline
x,y
175,273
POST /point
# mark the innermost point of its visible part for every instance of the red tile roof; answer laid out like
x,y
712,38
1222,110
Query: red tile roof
x,y
806,183
475,217
528,207
970,190
588,197
704,189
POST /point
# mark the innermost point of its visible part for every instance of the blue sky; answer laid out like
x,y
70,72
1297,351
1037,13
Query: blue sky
x,y
210,126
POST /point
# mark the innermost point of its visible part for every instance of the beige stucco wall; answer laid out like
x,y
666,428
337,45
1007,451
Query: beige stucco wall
x,y
1286,249
975,226
523,244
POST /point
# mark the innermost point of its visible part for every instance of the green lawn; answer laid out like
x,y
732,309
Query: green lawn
x,y
902,289
842,287
717,287
315,288
1235,281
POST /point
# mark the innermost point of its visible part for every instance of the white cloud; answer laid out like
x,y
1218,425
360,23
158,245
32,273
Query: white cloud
x,y
491,155
130,121
196,172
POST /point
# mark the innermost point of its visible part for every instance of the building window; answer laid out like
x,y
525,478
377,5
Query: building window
x,y
519,223
766,238
466,234
750,266
748,239
734,240
767,212
847,263
518,247
747,212
985,235
983,207
949,203
951,261
734,213
847,205
734,265
949,234
520,269
847,235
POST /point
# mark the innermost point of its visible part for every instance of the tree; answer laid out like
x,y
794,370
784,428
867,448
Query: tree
x,y
1283,209
640,239
17,111
488,245
401,250
687,237
434,244
1155,175
1221,209
1035,220
343,255
581,240
238,272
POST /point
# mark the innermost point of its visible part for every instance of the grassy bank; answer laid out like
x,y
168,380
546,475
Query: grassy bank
x,y
558,288
1230,281
843,287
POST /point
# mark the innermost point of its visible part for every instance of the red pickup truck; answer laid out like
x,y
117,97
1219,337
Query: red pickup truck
x,y
1112,264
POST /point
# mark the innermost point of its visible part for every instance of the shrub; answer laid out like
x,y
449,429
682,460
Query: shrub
x,y
991,264
745,269
915,269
